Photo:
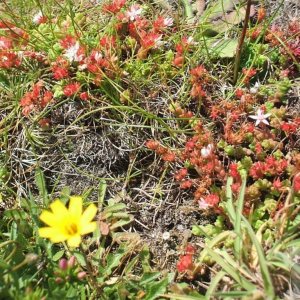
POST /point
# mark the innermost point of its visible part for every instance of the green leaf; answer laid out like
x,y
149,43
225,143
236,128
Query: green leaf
x,y
122,222
239,212
148,277
184,297
65,194
267,280
233,294
101,193
41,184
230,270
58,255
156,289
229,200
114,208
80,258
112,261
225,48
130,265
214,284
218,9
145,259
221,237
3,264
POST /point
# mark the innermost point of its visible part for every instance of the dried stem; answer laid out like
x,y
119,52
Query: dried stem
x,y
241,42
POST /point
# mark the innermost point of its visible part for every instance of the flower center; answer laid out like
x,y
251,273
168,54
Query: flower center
x,y
71,229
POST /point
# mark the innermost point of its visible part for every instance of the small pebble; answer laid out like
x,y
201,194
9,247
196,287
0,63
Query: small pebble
x,y
166,235
180,227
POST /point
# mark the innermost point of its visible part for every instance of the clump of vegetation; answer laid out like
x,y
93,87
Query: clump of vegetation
x,y
177,128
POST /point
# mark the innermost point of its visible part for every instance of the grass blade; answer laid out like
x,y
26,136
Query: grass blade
x,y
267,280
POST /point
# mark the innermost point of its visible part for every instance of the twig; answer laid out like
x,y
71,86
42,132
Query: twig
x,y
241,42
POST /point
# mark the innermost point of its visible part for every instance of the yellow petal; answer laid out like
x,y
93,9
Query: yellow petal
x,y
48,218
89,214
87,227
74,241
75,206
46,232
59,209
58,238
52,233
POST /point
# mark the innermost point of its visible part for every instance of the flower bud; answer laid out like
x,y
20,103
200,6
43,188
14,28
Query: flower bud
x,y
81,275
63,264
71,261
58,280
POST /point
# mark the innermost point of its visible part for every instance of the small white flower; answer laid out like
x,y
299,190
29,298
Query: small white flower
x,y
168,22
260,117
166,235
82,67
71,53
203,204
37,17
133,12
2,45
158,42
254,89
207,151
97,56
190,41
20,54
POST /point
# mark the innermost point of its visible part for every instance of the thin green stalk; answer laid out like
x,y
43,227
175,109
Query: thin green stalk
x,y
91,276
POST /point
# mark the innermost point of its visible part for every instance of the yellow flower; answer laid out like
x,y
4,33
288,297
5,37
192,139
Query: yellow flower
x,y
68,224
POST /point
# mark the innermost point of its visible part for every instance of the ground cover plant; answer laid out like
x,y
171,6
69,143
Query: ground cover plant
x,y
149,149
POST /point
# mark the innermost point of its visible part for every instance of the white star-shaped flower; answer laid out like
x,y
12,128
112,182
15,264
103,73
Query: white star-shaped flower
x,y
190,41
207,151
203,204
254,89
37,17
260,117
133,12
168,22
98,56
71,53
